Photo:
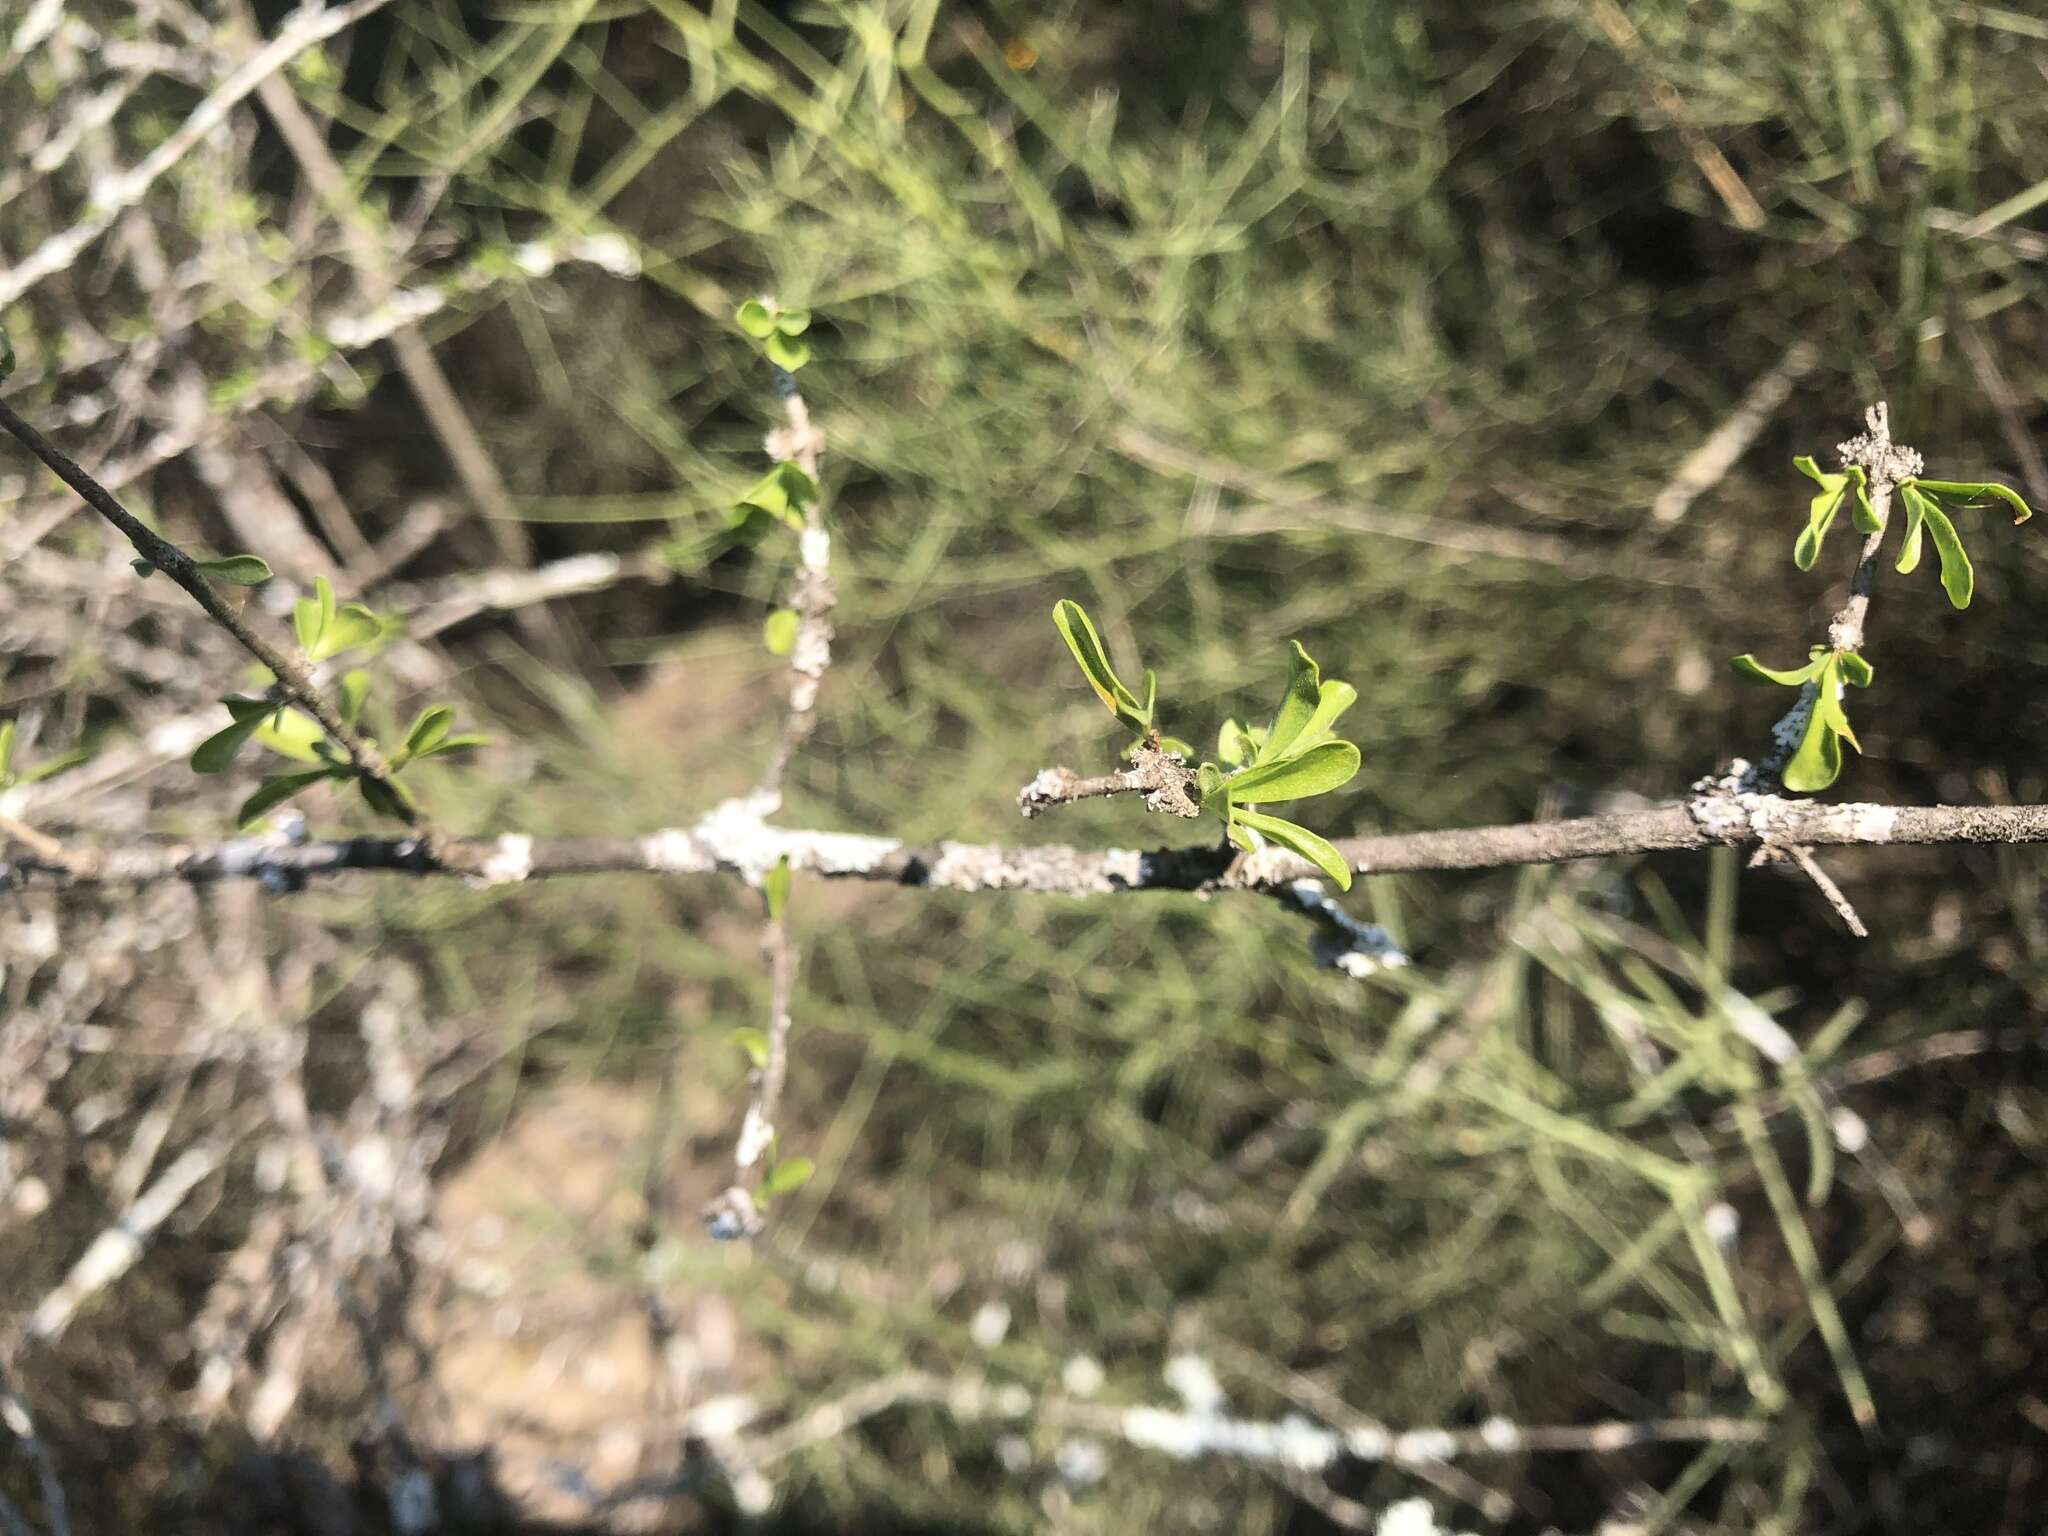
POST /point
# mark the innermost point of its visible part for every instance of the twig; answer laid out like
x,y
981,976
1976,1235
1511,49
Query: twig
x,y
1164,780
1726,181
305,29
1884,464
293,676
1295,1445
1804,859
734,1213
114,1252
1999,391
1705,467
1296,507
810,656
39,843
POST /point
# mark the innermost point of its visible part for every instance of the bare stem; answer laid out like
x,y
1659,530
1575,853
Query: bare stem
x,y
811,655
1164,780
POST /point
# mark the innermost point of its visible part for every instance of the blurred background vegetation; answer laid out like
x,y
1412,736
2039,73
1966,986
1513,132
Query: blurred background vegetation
x,y
1379,326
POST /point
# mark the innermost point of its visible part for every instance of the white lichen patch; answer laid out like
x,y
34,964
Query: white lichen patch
x,y
674,851
510,861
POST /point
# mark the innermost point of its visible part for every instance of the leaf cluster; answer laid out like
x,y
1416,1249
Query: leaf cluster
x,y
780,496
1927,507
1817,761
325,630
1294,757
778,330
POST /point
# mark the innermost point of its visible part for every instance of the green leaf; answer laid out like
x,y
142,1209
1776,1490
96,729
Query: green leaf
x,y
1957,579
6,747
237,570
143,568
355,688
1865,514
1233,744
386,799
778,631
782,494
1855,670
1235,829
354,625
1828,704
1315,772
1335,699
292,733
775,888
754,318
1820,512
1208,783
1299,839
792,322
1173,746
753,1042
310,616
1819,515
429,729
1916,524
276,790
216,754
1977,490
1818,762
1304,689
455,744
791,1173
1750,667
787,352
1078,631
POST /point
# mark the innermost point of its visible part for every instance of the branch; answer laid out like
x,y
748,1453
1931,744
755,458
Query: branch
x,y
811,655
734,1213
294,678
734,839
1163,779
305,29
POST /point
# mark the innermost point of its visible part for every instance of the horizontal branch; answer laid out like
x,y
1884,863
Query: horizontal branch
x,y
735,839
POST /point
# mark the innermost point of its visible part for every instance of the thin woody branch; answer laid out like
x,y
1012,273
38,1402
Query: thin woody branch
x,y
294,678
735,840
1164,780
734,1213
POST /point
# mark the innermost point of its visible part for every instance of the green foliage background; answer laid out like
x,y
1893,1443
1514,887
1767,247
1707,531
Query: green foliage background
x,y
1376,326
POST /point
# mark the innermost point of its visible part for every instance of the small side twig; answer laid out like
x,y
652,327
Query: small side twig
x,y
1163,779
735,1213
1884,464
801,442
294,677
40,843
1706,465
1825,884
